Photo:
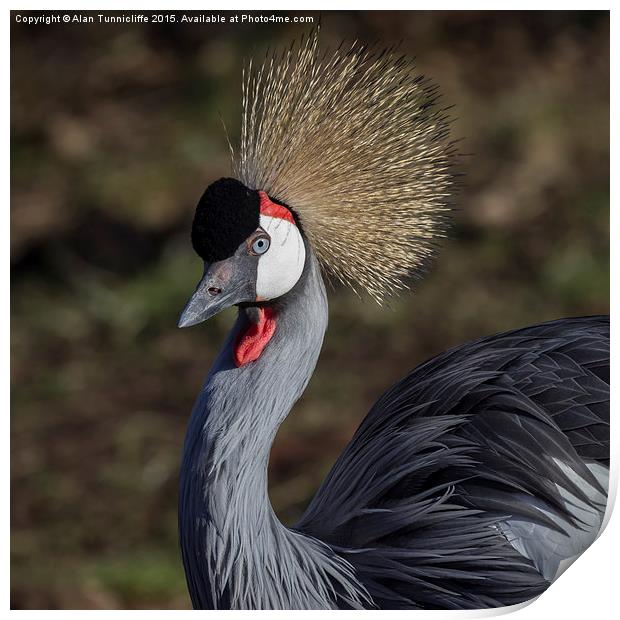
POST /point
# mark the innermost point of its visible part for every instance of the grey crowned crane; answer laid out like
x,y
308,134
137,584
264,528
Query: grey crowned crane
x,y
472,481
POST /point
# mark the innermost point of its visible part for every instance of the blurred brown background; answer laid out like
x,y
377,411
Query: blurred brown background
x,y
115,134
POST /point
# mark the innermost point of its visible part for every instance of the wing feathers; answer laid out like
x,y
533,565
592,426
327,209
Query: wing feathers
x,y
471,479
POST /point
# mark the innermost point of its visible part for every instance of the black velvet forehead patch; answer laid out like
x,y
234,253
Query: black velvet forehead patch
x,y
226,215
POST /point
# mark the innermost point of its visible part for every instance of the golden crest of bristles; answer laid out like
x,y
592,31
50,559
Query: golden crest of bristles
x,y
355,143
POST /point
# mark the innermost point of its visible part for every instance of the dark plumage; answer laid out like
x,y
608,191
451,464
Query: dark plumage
x,y
227,213
466,441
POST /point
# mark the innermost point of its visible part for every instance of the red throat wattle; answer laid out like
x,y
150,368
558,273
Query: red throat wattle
x,y
251,343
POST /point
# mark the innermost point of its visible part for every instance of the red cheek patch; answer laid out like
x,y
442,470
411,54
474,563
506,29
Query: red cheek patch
x,y
272,209
251,343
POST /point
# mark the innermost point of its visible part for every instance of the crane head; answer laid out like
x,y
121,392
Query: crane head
x,y
252,248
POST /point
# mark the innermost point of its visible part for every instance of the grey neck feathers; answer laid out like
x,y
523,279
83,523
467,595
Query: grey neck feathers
x,y
236,553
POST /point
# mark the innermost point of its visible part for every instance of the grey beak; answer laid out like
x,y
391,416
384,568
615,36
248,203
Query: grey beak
x,y
223,285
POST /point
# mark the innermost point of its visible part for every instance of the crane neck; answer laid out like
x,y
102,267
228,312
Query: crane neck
x,y
236,552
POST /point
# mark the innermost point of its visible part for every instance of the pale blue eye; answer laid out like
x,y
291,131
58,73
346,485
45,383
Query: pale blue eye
x,y
260,245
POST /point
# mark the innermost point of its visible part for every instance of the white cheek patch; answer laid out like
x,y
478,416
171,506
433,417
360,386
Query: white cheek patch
x,y
281,265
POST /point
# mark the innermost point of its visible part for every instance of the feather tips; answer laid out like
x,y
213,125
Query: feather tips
x,y
353,141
